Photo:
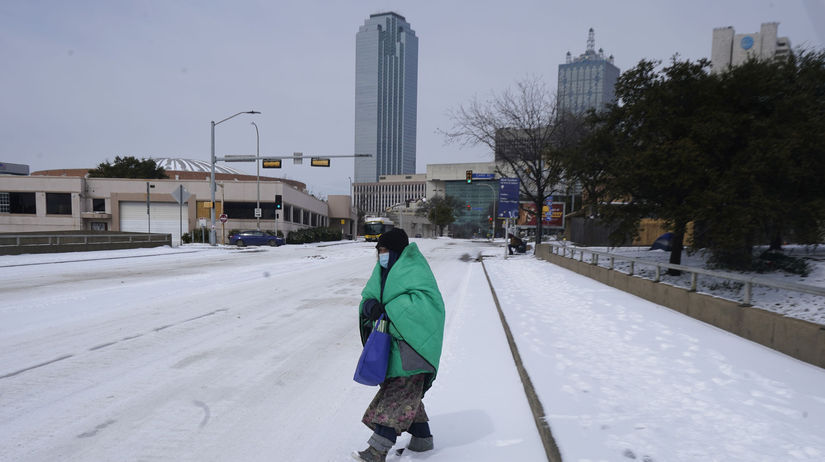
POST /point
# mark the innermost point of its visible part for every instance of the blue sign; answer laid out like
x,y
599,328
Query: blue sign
x,y
484,176
508,198
747,42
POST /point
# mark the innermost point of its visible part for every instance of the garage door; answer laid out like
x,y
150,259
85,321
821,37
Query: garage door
x,y
164,216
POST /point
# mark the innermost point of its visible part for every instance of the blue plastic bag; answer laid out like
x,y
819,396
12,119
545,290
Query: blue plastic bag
x,y
372,365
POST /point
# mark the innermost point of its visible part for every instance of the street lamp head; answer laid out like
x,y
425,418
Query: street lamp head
x,y
253,112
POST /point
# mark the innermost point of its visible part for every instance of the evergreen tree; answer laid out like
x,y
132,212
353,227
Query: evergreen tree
x,y
441,211
660,163
129,167
771,164
740,154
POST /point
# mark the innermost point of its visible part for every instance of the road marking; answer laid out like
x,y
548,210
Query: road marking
x,y
98,259
35,366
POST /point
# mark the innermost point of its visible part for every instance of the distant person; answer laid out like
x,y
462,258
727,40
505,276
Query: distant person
x,y
402,287
517,244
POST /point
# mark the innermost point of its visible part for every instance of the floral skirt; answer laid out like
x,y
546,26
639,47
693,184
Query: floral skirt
x,y
398,404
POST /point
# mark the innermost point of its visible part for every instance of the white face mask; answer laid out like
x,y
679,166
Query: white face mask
x,y
384,259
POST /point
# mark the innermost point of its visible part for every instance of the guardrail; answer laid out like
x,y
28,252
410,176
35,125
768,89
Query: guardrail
x,y
747,281
15,244
22,240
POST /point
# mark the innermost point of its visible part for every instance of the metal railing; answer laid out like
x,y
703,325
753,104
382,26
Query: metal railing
x,y
747,281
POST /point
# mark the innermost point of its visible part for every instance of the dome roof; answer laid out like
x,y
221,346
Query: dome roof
x,y
190,165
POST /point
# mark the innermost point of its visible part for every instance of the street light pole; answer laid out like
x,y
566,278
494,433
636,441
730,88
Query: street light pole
x,y
212,238
258,174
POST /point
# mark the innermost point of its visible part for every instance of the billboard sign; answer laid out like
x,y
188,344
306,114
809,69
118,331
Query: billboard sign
x,y
553,218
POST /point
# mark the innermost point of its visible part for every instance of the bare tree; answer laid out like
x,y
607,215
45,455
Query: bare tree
x,y
519,126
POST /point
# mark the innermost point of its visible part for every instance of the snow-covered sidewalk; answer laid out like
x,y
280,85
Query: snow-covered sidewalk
x,y
621,378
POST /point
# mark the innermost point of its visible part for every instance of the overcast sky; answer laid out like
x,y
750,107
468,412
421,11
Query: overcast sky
x,y
83,81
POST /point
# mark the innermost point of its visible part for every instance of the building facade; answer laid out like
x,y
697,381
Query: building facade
x,y
477,199
386,95
732,49
65,200
587,81
390,190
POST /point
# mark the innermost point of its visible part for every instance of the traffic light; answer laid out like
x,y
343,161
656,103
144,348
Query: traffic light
x,y
279,202
469,176
271,163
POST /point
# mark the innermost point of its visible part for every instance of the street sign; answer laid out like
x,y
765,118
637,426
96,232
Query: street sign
x,y
202,222
484,176
181,194
508,198
224,218
297,158
257,212
239,158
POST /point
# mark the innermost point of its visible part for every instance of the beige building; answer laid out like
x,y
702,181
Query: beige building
x,y
390,190
61,200
342,215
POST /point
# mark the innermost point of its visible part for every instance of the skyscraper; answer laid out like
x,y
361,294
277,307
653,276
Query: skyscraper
x,y
588,81
386,95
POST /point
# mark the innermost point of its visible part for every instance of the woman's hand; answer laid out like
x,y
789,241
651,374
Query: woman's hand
x,y
373,309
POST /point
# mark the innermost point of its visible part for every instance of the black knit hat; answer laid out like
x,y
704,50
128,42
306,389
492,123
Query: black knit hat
x,y
395,239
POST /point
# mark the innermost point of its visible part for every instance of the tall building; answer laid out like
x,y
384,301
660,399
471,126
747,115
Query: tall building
x,y
732,49
588,81
386,94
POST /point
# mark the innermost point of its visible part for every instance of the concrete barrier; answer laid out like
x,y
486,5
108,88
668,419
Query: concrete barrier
x,y
799,339
74,241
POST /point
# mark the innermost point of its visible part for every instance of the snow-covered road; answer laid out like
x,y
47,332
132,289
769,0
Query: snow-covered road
x,y
220,354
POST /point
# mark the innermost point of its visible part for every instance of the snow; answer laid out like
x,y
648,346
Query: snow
x,y
623,377
213,354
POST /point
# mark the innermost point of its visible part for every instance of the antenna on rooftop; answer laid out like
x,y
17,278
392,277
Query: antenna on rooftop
x,y
591,41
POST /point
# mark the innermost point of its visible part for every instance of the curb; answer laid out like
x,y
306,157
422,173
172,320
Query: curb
x,y
547,440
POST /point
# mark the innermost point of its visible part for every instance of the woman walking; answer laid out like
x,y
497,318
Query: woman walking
x,y
403,288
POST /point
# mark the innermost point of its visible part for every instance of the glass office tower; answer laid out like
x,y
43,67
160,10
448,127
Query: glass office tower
x,y
588,81
386,94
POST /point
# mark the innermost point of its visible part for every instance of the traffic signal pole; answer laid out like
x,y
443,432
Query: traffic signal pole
x,y
276,161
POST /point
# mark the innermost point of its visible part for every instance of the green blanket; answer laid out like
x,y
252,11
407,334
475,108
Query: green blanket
x,y
416,312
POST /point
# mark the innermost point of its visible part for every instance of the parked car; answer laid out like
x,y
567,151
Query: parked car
x,y
254,237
